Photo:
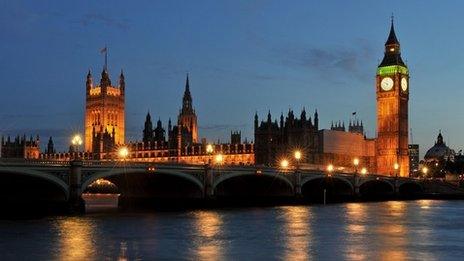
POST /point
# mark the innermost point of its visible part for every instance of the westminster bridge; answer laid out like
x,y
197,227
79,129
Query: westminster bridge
x,y
66,181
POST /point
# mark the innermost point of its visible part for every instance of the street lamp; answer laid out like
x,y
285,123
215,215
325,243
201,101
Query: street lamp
x,y
396,166
297,175
76,141
424,171
284,163
219,158
297,154
209,149
123,152
363,171
330,169
355,163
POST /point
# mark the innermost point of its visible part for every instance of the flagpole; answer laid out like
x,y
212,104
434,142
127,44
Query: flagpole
x,y
106,58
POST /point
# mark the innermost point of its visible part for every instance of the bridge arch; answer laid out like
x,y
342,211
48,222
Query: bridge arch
x,y
410,188
251,184
118,172
42,175
334,189
322,176
376,188
241,174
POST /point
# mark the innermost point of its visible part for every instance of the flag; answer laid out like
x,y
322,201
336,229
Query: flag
x,y
354,113
103,50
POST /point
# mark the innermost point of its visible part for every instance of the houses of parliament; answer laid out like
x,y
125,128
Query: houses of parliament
x,y
274,139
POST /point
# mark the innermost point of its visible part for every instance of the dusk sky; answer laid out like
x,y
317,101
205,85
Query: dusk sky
x,y
242,56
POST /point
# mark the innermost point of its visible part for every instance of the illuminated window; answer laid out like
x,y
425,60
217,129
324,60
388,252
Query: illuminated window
x,y
392,49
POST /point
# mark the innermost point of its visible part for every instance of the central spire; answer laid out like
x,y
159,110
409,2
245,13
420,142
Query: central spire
x,y
187,99
392,49
392,40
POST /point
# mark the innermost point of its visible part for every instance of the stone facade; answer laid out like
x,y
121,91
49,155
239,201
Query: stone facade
x,y
392,89
104,113
20,147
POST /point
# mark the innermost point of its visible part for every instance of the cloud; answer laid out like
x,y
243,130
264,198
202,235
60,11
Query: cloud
x,y
222,127
329,60
95,18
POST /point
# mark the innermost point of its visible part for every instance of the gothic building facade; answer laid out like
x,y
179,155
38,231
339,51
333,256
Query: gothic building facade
x,y
274,140
386,155
180,143
392,90
20,147
104,113
320,147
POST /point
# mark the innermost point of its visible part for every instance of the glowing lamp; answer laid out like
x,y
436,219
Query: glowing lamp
x,y
123,152
219,158
209,148
330,168
284,163
76,140
356,162
363,171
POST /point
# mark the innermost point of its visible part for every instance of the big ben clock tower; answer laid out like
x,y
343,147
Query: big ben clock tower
x,y
392,88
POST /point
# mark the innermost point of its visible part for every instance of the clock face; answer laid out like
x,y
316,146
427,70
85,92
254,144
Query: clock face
x,y
404,84
386,84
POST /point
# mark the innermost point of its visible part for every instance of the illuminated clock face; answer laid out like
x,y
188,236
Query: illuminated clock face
x,y
386,84
404,84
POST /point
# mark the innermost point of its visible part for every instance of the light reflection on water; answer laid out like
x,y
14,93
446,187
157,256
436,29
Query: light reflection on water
x,y
76,238
355,215
208,228
420,230
297,232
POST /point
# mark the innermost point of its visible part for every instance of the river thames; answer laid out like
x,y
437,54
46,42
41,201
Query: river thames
x,y
393,230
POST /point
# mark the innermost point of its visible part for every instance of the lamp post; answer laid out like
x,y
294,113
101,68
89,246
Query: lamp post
x,y
364,171
76,142
356,178
219,159
123,153
284,164
209,151
75,178
208,179
424,172
355,164
297,156
330,169
396,166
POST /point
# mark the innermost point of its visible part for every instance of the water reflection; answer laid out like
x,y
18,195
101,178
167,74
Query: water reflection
x,y
356,217
76,239
392,232
123,251
208,226
297,232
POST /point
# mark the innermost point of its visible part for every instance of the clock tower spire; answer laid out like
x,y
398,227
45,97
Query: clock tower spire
x,y
392,90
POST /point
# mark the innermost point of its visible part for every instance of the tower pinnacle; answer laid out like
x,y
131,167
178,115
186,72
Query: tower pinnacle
x,y
392,49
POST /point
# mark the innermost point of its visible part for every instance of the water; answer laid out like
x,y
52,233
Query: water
x,y
395,230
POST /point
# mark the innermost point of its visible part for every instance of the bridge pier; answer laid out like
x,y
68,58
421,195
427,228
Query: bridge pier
x,y
297,184
75,202
357,181
208,182
397,186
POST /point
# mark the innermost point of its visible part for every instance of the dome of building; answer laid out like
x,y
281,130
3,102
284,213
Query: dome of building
x,y
439,151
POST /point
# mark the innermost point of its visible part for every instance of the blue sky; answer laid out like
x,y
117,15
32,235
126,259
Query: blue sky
x,y
243,56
